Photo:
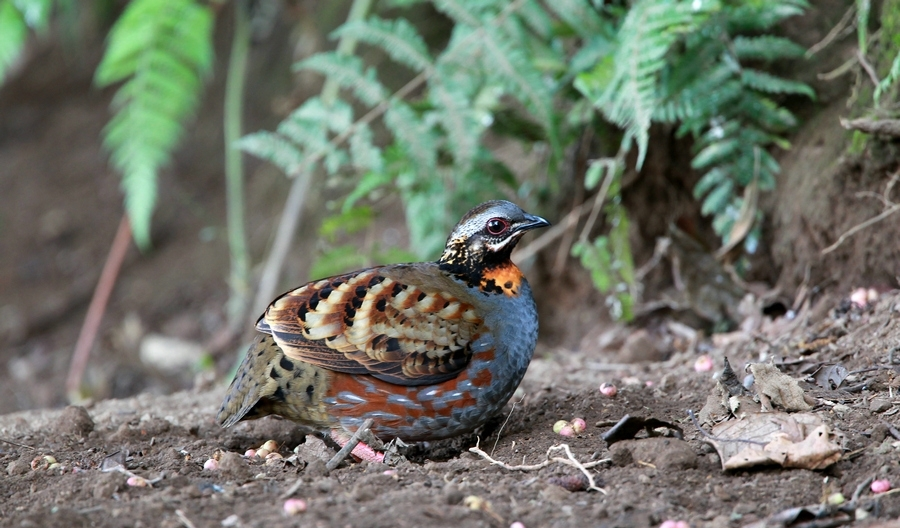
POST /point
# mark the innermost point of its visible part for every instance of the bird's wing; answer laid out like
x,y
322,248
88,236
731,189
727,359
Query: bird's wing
x,y
398,323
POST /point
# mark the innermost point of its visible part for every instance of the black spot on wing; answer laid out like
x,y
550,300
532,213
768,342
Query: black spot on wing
x,y
279,394
286,364
274,373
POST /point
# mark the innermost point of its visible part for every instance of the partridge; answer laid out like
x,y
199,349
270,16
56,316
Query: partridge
x,y
426,350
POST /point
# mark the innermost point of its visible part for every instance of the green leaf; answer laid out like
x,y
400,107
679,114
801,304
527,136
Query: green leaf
x,y
348,221
718,198
769,83
161,49
275,149
347,71
766,47
13,32
715,153
398,38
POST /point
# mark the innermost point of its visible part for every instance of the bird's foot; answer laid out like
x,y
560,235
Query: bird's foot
x,y
361,452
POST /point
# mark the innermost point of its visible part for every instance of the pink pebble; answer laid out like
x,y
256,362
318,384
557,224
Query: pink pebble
x,y
608,389
294,506
674,524
567,431
881,486
517,524
250,453
212,464
704,363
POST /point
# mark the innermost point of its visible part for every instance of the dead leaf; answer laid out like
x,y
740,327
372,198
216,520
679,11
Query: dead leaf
x,y
830,377
776,386
790,440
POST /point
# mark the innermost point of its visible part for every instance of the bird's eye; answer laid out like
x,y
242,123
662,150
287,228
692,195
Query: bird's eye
x,y
497,226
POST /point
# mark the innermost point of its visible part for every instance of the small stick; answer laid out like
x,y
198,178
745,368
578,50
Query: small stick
x,y
97,307
348,447
859,227
508,416
569,461
16,443
293,489
184,520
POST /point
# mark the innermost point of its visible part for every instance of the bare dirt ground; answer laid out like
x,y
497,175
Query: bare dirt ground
x,y
167,440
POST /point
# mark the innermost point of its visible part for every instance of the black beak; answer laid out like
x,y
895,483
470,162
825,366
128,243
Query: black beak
x,y
531,222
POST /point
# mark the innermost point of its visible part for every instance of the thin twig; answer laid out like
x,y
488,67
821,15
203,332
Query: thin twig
x,y
293,489
598,204
868,67
184,520
97,308
570,460
859,227
16,443
508,416
833,34
348,447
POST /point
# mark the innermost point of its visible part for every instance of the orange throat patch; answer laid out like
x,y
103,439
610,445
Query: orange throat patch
x,y
505,279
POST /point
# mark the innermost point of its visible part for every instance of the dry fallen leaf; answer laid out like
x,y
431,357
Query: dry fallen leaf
x,y
779,388
789,440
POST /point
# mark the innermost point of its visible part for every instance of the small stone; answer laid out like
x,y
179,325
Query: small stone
x,y
169,353
211,465
75,420
879,405
17,467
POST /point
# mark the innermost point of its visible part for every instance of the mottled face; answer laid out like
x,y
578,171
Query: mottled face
x,y
487,234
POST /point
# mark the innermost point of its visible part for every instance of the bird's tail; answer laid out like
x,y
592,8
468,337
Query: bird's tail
x,y
252,383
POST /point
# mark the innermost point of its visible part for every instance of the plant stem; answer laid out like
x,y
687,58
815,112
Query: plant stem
x,y
234,168
296,199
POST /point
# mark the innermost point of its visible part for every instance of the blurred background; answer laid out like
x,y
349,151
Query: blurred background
x,y
691,156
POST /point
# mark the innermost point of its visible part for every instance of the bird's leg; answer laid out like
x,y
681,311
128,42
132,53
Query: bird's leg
x,y
362,451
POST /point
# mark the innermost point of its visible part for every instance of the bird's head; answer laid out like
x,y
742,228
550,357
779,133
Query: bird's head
x,y
485,238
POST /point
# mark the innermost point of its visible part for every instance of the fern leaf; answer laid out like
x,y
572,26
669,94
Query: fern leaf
x,y
365,155
398,38
715,153
508,65
766,48
765,82
579,15
347,71
161,49
413,135
461,12
459,120
750,17
650,28
275,149
13,32
889,79
718,198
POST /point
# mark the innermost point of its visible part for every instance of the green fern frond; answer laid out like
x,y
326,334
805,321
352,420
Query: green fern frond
x,y
649,30
749,17
413,135
13,32
274,148
459,121
398,38
579,15
161,49
16,18
766,48
462,12
889,79
508,66
766,82
363,152
347,71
